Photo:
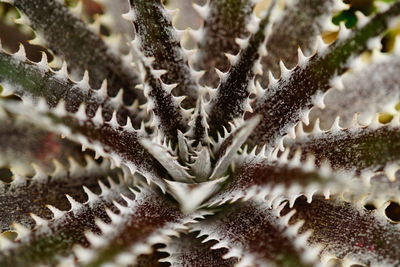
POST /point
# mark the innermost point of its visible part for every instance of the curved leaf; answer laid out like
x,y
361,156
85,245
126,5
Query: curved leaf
x,y
148,219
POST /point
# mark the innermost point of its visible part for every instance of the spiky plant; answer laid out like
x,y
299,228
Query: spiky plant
x,y
189,134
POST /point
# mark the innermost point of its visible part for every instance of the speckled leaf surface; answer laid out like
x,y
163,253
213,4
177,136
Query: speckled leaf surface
x,y
355,148
287,101
310,23
176,154
224,22
382,92
350,232
242,229
58,26
31,195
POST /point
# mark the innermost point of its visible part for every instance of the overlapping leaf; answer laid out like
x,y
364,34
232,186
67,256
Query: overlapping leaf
x,y
148,219
23,144
102,227
53,239
224,22
373,81
310,23
288,100
58,27
257,235
280,177
30,195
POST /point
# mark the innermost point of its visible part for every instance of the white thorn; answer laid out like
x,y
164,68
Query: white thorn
x,y
92,197
201,10
38,220
81,113
75,205
98,117
56,212
20,54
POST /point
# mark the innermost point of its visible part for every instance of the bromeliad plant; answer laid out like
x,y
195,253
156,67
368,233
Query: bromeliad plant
x,y
198,157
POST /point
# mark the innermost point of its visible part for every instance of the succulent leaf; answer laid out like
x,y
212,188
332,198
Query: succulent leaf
x,y
229,146
54,22
242,229
224,22
177,154
231,99
363,81
289,100
31,80
55,238
30,195
162,44
310,23
358,148
357,235
148,219
168,115
191,251
106,138
280,177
